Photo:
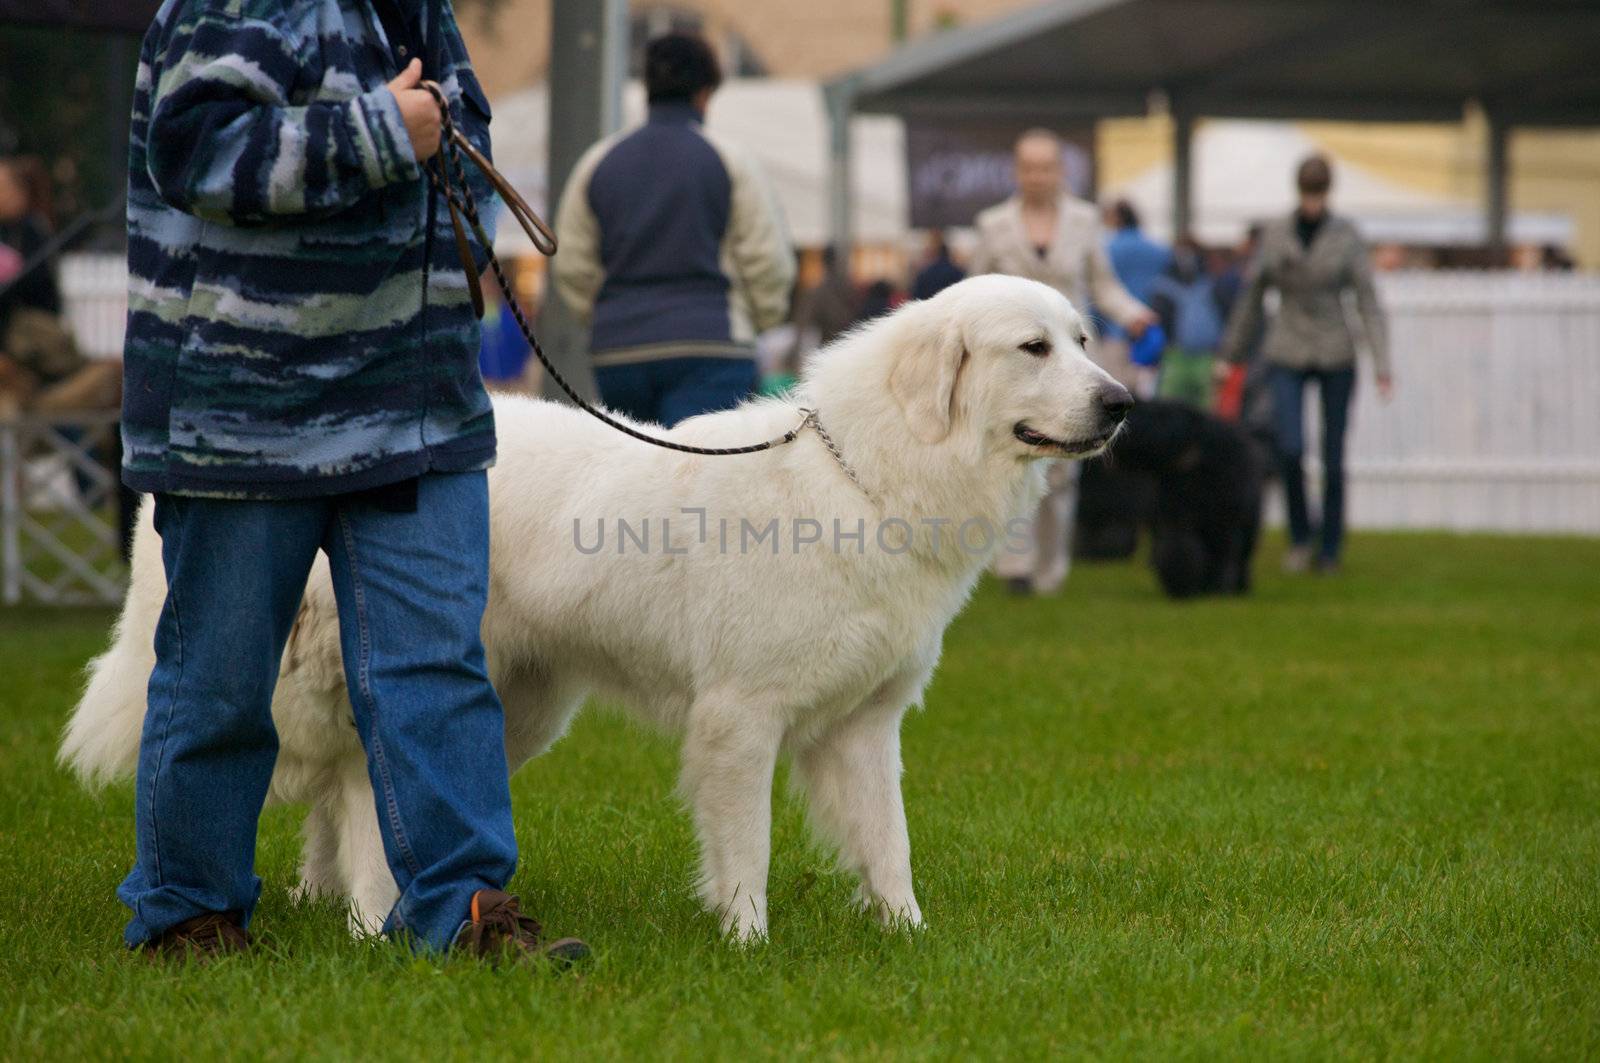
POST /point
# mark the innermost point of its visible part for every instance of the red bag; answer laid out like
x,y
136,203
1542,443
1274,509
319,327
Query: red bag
x,y
1230,396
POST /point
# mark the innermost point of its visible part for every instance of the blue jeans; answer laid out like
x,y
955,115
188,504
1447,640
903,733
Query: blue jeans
x,y
411,590
676,389
1334,387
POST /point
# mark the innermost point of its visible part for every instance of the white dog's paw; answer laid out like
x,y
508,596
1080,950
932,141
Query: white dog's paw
x,y
897,912
743,919
364,925
305,892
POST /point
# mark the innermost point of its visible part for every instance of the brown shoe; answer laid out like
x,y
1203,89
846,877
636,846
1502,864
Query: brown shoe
x,y
499,929
201,939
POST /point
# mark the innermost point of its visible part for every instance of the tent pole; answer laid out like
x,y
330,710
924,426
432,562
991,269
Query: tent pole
x,y
1182,173
1497,186
841,97
588,62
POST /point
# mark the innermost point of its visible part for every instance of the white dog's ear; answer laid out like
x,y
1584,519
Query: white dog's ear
x,y
923,379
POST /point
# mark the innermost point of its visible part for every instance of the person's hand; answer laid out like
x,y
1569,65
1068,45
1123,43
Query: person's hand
x,y
1385,387
419,110
1221,370
1136,327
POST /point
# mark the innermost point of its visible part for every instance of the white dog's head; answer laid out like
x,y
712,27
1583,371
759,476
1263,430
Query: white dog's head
x,y
1000,362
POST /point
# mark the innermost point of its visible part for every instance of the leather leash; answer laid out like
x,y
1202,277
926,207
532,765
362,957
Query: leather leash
x,y
449,175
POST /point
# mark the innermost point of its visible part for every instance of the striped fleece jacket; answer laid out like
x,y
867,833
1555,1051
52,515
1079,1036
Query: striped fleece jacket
x,y
299,322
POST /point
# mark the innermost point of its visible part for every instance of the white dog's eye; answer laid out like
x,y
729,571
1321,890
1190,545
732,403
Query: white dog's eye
x,y
1037,348
1083,339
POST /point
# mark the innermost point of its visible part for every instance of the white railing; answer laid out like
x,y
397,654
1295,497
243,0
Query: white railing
x,y
59,538
1495,422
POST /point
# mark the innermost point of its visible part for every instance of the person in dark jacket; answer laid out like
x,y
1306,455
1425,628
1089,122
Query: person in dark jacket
x,y
939,272
673,250
302,376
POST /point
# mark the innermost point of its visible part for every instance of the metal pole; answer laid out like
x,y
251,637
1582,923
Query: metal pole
x,y
899,20
841,97
1182,173
588,63
10,512
1497,186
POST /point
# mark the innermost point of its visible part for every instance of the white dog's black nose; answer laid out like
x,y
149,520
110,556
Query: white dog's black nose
x,y
1116,401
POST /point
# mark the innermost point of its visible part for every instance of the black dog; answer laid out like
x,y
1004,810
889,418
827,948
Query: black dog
x,y
1194,480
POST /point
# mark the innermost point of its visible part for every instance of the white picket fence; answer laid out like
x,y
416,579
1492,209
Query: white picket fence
x,y
1495,423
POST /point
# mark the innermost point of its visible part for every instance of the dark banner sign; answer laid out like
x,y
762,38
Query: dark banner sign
x,y
124,16
956,168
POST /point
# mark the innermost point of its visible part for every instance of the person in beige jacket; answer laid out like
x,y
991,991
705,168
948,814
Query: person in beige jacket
x,y
1312,258
1046,234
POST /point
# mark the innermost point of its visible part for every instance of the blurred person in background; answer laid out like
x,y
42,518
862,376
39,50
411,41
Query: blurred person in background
x,y
41,368
505,357
1046,234
1311,258
824,311
879,299
673,250
1192,314
1137,261
939,271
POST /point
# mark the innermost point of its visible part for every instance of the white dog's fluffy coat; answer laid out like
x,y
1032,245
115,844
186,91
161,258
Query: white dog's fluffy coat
x,y
747,653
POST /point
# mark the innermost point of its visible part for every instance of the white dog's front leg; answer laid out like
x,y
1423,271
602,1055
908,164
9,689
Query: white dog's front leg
x,y
362,864
729,754
852,776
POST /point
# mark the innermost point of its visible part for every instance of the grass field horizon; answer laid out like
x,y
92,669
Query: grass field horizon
x,y
1353,817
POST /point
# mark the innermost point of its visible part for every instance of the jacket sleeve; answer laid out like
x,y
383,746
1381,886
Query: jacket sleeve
x,y
1373,321
226,144
576,267
984,259
758,245
1114,300
471,113
1246,317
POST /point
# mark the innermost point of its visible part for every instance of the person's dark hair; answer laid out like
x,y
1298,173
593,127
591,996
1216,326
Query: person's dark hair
x,y
1127,217
1315,176
678,67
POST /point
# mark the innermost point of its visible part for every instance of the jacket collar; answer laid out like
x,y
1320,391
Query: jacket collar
x,y
674,112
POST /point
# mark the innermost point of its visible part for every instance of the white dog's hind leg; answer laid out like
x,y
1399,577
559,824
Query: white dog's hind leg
x,y
319,854
852,777
362,865
729,754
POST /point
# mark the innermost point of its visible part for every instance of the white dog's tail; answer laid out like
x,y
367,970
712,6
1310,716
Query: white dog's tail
x,y
101,742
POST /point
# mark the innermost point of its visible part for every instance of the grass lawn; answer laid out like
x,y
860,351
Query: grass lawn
x,y
1344,818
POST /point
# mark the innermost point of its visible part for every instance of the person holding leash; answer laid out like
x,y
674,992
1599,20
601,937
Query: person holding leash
x,y
1048,235
301,376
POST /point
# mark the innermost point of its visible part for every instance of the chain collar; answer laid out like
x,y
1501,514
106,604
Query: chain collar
x,y
815,422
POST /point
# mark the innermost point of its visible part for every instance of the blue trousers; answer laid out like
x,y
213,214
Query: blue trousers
x,y
1334,388
411,590
675,389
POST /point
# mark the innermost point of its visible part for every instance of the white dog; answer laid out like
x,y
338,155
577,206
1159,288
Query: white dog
x,y
789,601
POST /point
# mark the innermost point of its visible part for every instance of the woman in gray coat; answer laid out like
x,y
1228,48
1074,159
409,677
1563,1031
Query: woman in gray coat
x,y
1312,258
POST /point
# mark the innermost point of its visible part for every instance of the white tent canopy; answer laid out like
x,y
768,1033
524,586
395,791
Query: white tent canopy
x,y
1242,174
781,123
